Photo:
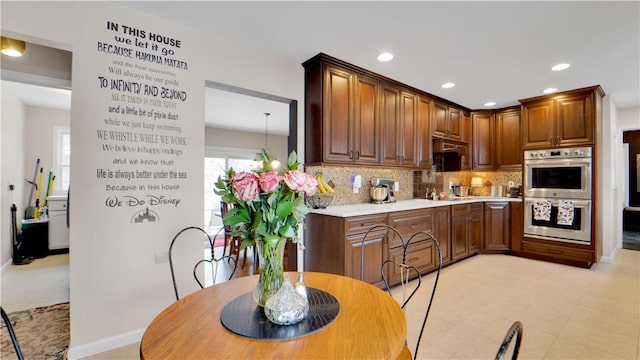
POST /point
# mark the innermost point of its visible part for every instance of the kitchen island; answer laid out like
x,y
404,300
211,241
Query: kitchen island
x,y
463,227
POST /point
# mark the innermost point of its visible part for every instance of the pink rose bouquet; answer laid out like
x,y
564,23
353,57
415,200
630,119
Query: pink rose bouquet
x,y
266,205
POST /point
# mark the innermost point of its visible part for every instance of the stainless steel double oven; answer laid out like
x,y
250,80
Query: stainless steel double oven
x,y
551,176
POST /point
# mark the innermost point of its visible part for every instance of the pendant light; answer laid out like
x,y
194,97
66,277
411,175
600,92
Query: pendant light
x,y
12,47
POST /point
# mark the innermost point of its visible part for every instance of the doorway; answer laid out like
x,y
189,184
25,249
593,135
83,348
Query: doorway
x,y
631,212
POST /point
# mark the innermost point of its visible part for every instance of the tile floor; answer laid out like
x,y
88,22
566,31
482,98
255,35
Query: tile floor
x,y
567,312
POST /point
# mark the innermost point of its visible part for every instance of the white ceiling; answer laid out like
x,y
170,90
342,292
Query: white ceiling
x,y
494,51
39,96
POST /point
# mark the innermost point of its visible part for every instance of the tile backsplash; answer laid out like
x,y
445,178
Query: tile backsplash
x,y
441,180
341,177
413,184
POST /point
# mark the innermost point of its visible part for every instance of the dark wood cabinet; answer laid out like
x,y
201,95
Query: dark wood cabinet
x,y
420,253
516,230
507,140
483,141
467,137
447,122
496,227
341,116
565,119
425,152
390,124
442,225
356,117
333,245
466,230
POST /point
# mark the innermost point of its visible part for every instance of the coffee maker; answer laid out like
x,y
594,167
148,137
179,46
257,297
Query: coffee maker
x,y
381,191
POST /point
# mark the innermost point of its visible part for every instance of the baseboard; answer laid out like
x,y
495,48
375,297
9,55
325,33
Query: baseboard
x,y
6,266
96,347
609,259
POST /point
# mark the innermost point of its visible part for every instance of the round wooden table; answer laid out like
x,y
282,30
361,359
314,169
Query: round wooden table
x,y
370,325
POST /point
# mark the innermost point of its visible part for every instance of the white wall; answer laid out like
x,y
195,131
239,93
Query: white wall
x,y
116,286
39,128
609,236
12,148
247,140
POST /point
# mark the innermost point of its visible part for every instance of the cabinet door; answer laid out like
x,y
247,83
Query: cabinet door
x,y
408,223
390,122
365,125
483,141
420,254
375,250
575,120
442,223
508,151
337,115
516,225
496,226
455,124
424,141
475,231
408,140
467,132
440,119
538,125
459,237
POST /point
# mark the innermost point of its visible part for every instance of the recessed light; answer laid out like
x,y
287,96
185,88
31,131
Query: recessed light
x,y
385,56
490,103
448,85
560,67
549,90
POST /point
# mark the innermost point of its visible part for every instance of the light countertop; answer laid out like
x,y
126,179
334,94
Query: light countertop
x,y
413,204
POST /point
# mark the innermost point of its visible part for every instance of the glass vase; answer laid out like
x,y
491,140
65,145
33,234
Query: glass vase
x,y
271,258
287,306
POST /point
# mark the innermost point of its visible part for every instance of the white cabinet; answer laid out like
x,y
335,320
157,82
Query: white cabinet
x,y
58,230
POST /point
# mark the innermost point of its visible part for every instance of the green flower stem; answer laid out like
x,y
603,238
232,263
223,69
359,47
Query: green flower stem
x,y
271,269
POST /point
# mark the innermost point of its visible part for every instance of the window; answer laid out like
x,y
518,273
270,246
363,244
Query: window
x,y
61,159
216,163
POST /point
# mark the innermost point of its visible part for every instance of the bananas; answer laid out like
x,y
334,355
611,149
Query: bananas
x,y
322,185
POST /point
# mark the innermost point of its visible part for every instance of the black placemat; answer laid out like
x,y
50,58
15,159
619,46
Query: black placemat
x,y
244,317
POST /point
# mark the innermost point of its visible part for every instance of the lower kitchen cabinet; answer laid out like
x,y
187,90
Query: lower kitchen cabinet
x,y
333,245
516,226
496,227
420,253
466,230
442,224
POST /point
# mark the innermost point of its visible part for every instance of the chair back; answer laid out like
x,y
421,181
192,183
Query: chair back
x,y
516,330
12,334
407,272
214,262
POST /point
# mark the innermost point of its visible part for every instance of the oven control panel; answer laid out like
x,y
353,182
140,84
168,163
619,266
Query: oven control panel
x,y
567,153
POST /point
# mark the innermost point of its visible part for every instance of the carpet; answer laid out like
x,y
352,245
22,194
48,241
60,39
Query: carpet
x,y
43,333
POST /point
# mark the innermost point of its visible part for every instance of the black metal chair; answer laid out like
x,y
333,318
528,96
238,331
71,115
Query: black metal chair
x,y
516,330
211,260
407,273
12,334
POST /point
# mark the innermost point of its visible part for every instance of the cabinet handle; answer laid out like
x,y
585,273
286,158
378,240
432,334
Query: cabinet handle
x,y
357,154
351,154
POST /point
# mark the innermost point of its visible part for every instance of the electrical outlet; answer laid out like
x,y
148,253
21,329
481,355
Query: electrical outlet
x,y
511,184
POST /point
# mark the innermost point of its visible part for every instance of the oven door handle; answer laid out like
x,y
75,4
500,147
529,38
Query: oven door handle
x,y
554,202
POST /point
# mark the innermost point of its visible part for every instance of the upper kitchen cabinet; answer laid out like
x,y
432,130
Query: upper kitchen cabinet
x,y
356,117
341,116
425,153
483,140
508,150
391,125
447,122
565,119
